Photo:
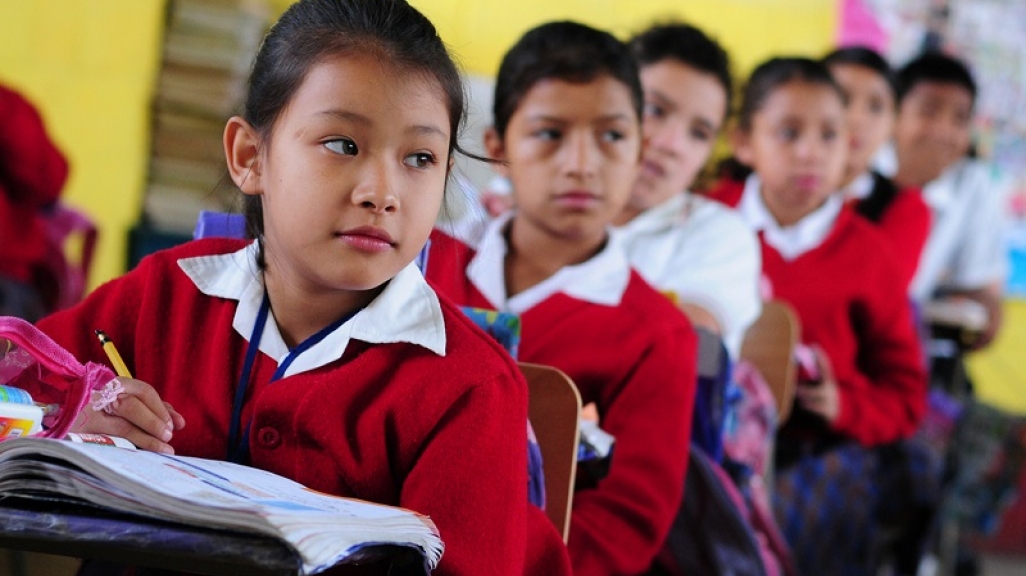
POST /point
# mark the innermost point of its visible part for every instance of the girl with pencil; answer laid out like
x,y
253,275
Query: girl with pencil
x,y
567,130
317,351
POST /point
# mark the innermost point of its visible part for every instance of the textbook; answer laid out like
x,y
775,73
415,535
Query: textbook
x,y
323,530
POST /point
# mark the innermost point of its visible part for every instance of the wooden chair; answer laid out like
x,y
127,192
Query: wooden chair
x,y
554,406
769,345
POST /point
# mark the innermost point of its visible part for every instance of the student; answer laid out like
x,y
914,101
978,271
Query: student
x,y
683,244
32,174
901,215
964,254
866,386
318,351
568,135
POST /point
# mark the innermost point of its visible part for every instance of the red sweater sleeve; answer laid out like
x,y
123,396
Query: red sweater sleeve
x,y
618,527
885,399
906,223
32,169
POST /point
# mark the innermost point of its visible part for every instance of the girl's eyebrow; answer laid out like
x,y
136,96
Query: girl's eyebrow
x,y
559,120
357,118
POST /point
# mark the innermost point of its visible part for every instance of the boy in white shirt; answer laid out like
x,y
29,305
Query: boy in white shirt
x,y
965,253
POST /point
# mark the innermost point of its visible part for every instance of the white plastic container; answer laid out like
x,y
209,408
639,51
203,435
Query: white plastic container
x,y
19,419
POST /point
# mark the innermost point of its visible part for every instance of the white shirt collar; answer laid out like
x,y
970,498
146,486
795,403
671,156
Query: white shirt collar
x,y
860,188
669,213
407,310
791,241
602,279
940,192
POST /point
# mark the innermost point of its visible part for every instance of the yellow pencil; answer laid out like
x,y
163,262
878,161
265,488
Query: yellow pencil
x,y
112,353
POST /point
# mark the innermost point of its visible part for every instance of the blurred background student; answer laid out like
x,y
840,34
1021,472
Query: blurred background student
x,y
32,175
868,84
864,386
965,255
693,249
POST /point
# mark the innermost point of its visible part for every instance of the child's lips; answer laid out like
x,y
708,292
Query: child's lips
x,y
577,199
809,182
367,238
652,169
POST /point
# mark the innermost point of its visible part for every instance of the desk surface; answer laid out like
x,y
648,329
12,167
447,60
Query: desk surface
x,y
67,530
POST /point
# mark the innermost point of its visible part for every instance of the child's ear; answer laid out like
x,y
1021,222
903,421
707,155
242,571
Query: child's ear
x,y
242,150
740,143
495,150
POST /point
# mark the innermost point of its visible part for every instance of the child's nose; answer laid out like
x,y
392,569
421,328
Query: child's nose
x,y
377,188
582,155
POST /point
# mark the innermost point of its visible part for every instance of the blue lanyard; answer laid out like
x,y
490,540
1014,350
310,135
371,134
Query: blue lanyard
x,y
238,449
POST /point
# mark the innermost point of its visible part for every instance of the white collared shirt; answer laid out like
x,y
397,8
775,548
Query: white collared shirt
x,y
790,241
860,188
407,310
702,252
966,246
602,279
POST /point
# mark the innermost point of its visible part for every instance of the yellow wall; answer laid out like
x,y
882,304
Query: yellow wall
x,y
89,67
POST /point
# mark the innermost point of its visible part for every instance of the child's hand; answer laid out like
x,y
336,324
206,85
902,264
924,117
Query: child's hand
x,y
133,410
821,397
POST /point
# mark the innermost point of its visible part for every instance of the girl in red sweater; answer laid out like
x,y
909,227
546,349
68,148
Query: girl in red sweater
x,y
867,388
318,351
568,135
901,214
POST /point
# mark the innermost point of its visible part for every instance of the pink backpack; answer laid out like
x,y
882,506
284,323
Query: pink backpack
x,y
49,373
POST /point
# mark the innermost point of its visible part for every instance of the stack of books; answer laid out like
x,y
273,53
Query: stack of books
x,y
208,50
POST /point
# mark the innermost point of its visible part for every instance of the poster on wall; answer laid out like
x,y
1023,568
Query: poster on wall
x,y
988,34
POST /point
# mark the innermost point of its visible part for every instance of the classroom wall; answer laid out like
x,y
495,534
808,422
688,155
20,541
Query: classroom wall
x,y
89,67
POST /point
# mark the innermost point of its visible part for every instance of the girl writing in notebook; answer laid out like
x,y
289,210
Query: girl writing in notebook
x,y
567,132
900,214
317,350
865,386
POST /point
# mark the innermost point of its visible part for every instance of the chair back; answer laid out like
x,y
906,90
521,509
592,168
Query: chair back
x,y
71,242
769,345
554,406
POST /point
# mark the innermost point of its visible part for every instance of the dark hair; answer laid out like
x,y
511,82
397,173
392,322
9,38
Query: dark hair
x,y
866,58
565,51
687,45
934,67
311,30
775,72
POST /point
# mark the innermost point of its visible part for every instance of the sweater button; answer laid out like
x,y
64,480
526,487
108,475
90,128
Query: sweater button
x,y
269,437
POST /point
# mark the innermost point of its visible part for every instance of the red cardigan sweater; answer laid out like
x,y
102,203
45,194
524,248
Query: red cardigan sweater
x,y
850,298
904,220
389,423
32,174
636,361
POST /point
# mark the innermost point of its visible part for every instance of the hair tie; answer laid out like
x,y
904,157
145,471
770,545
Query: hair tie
x,y
108,396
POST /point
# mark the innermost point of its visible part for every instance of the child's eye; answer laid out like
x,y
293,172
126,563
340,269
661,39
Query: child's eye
x,y
612,136
701,135
548,134
788,134
654,110
342,146
420,160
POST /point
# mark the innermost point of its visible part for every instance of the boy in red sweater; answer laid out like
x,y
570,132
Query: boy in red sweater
x,y
567,131
318,351
835,269
32,175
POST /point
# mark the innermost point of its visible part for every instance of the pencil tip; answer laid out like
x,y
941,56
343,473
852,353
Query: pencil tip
x,y
101,335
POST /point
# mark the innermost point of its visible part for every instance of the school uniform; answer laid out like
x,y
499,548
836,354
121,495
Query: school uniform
x,y
901,214
702,253
966,246
835,269
628,350
406,403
